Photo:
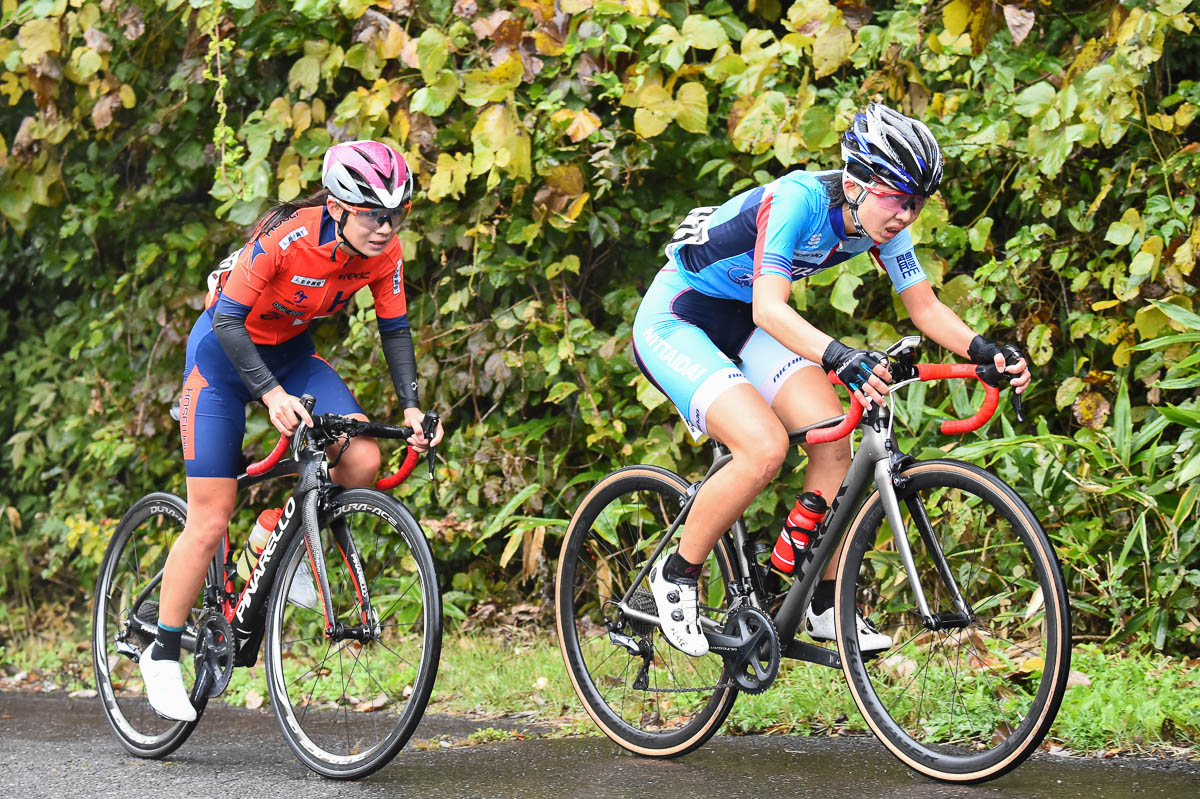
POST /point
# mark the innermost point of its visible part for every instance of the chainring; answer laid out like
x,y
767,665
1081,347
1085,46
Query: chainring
x,y
754,664
214,652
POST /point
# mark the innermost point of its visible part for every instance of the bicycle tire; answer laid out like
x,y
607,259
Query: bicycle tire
x,y
659,720
135,556
347,707
969,703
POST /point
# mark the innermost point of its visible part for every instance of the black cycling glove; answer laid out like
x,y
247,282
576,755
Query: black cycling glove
x,y
853,367
983,352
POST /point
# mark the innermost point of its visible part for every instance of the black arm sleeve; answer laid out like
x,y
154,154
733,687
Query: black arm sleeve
x,y
402,363
235,340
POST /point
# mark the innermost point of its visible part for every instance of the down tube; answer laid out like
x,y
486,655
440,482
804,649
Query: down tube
x,y
860,476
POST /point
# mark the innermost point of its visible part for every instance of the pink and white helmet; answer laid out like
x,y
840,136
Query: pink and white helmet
x,y
367,173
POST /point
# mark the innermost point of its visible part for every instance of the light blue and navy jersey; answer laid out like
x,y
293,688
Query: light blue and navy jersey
x,y
783,228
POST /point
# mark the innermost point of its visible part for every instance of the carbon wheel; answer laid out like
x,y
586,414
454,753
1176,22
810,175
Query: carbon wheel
x,y
643,693
967,696
124,621
348,702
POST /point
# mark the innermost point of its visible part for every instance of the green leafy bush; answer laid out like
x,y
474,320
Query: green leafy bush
x,y
556,145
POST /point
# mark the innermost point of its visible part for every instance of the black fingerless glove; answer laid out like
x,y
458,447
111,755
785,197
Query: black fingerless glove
x,y
853,367
983,352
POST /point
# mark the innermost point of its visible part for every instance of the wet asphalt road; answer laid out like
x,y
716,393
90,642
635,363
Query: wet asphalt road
x,y
52,746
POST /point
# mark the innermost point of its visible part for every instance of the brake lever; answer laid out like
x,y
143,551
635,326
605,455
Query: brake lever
x,y
429,426
994,377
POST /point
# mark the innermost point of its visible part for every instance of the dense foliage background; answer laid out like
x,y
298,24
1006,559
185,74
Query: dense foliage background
x,y
557,144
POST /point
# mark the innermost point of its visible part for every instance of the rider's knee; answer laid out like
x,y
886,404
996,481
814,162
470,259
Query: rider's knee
x,y
360,464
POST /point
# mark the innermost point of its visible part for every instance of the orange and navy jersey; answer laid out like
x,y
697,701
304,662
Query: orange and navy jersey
x,y
293,273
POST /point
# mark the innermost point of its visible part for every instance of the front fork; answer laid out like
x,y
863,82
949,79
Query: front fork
x,y
887,476
334,629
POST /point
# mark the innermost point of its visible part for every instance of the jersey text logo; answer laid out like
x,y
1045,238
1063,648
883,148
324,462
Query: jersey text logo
x,y
311,282
398,278
287,240
281,307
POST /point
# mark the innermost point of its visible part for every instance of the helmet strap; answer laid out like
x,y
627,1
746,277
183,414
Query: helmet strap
x,y
854,204
339,226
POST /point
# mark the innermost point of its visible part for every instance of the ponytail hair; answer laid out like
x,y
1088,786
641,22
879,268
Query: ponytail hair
x,y
834,193
282,211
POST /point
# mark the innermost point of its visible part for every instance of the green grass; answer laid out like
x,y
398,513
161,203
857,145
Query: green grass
x,y
1119,701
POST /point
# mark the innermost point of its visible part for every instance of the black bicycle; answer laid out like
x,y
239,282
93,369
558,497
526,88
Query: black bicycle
x,y
944,557
345,593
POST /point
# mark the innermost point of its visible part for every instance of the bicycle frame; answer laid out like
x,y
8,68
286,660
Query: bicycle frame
x,y
877,461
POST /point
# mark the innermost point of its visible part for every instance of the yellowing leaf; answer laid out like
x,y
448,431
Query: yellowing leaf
x,y
703,33
492,85
832,49
583,123
955,17
38,37
692,103
432,52
756,131
492,138
450,179
391,44
304,75
546,44
127,95
649,124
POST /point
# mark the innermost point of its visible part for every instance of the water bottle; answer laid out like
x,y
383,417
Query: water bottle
x,y
258,539
797,530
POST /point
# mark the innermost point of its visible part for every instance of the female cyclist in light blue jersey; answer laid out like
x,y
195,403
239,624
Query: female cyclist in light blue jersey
x,y
716,335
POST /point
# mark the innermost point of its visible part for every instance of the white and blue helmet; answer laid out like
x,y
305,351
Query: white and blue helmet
x,y
885,146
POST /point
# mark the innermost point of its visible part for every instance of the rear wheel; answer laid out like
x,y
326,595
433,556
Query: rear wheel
x,y
643,693
968,697
347,702
124,624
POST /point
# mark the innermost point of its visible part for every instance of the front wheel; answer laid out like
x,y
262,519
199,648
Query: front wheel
x,y
968,694
348,701
125,621
643,693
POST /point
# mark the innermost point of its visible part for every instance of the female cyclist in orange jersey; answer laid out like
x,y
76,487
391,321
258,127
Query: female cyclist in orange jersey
x,y
305,260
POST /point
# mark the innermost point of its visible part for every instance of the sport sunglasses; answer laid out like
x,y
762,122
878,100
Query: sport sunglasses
x,y
895,202
376,217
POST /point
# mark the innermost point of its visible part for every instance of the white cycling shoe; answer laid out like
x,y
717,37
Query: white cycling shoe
x,y
164,688
820,628
678,611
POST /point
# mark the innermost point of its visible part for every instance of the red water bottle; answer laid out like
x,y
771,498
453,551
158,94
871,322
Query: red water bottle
x,y
797,530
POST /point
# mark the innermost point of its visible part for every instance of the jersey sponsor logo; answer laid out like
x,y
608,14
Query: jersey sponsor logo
x,y
281,307
908,265
805,255
814,240
783,369
311,282
799,271
398,278
742,275
354,275
673,358
287,240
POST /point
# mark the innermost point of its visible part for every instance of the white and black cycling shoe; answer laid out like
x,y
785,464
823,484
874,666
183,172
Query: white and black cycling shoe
x,y
820,628
164,688
678,611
